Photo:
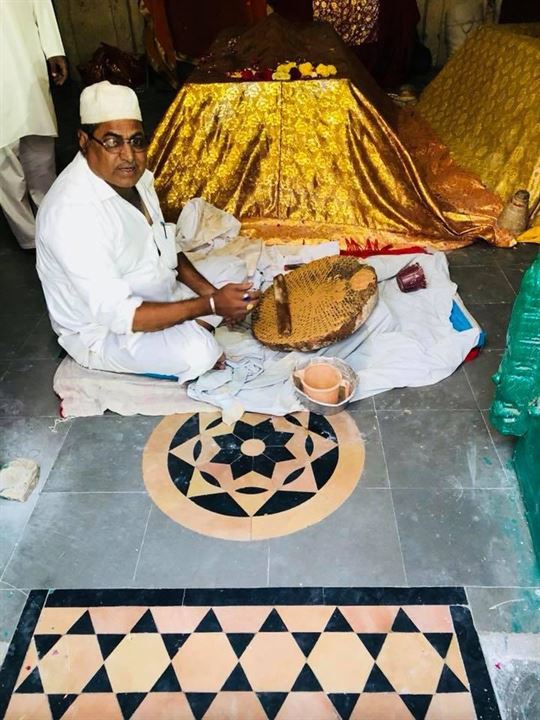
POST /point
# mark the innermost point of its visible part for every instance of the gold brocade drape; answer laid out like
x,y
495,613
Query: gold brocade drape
x,y
315,160
485,105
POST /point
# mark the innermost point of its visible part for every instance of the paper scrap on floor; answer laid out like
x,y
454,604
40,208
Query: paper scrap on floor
x,y
408,341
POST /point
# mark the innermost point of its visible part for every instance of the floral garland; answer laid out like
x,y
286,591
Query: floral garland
x,y
285,71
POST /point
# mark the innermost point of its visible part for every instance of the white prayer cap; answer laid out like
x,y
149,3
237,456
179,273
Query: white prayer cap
x,y
103,101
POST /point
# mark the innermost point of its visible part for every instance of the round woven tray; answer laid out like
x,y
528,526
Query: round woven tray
x,y
329,299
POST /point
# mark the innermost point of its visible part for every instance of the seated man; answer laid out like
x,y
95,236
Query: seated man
x,y
119,296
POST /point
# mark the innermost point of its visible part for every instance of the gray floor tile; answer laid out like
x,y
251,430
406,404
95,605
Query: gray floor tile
x,y
29,438
493,318
80,540
479,373
520,254
513,661
26,389
32,302
361,406
453,393
102,453
504,445
173,556
514,275
42,342
374,474
507,610
449,449
484,285
11,605
14,332
465,537
37,438
14,517
479,253
357,545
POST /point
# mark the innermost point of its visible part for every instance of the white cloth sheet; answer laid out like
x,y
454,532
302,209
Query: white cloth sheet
x,y
407,341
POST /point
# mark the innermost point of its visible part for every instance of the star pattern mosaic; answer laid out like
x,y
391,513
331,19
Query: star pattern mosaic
x,y
262,477
285,654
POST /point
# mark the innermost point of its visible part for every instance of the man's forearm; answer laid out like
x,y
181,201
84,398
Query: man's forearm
x,y
154,316
191,277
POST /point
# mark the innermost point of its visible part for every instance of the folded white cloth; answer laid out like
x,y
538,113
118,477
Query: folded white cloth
x,y
201,224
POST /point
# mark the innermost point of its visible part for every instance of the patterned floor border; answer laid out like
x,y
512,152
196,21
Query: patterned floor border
x,y
272,653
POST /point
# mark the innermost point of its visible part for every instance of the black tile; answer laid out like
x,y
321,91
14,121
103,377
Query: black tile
x,y
60,703
449,682
146,624
272,702
173,642
306,681
337,623
273,623
19,646
237,681
221,504
108,642
344,703
168,682
100,683
482,692
373,642
129,702
199,703
209,623
417,704
377,682
440,641
83,626
239,642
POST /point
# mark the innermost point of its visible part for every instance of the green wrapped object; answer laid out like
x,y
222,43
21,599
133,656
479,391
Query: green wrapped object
x,y
516,407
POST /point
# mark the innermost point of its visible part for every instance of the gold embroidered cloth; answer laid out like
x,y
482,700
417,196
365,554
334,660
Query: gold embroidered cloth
x,y
485,105
316,160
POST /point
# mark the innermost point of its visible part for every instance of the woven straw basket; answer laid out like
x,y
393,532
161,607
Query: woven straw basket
x,y
329,299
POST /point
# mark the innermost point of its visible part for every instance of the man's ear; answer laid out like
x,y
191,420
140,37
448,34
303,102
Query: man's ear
x,y
83,141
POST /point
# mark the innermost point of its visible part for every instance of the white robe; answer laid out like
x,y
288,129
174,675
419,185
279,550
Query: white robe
x,y
99,259
28,36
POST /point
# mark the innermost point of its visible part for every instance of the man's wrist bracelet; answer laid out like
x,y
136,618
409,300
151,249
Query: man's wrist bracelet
x,y
212,304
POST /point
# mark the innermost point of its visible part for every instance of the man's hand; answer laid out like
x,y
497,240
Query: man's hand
x,y
58,69
235,300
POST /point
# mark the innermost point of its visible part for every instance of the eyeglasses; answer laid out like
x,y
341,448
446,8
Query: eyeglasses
x,y
115,143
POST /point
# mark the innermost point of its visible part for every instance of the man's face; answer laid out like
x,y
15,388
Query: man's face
x,y
123,166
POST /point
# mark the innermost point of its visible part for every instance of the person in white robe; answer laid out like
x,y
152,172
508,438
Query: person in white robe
x,y
120,296
30,46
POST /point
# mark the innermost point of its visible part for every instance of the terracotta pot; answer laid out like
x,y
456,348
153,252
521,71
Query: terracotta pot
x,y
322,382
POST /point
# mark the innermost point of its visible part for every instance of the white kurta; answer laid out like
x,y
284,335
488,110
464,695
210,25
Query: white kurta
x,y
98,259
28,36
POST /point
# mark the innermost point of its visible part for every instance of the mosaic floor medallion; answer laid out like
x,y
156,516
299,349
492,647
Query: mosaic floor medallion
x,y
262,477
257,654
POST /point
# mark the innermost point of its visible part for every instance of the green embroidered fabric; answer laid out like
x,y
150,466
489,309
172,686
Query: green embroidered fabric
x,y
516,407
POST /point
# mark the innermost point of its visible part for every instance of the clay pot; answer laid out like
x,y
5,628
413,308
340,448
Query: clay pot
x,y
322,382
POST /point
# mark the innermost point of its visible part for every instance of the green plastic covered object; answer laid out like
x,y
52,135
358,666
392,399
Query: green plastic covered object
x,y
516,407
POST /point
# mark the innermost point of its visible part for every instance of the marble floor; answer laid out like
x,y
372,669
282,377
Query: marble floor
x,y
266,654
437,503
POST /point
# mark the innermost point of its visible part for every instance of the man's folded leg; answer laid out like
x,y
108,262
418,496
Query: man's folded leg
x,y
185,351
